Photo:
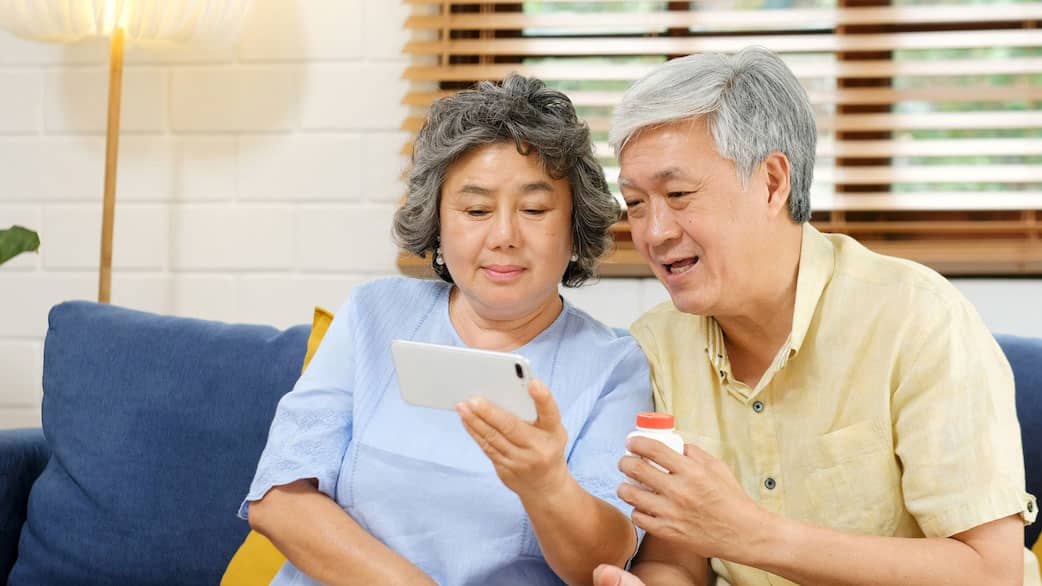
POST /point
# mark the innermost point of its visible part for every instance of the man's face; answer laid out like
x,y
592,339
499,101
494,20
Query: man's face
x,y
689,217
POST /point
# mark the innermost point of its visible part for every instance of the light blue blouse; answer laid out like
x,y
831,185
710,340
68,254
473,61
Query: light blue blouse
x,y
411,476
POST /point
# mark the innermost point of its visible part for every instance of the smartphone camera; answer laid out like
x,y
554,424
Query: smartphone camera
x,y
517,369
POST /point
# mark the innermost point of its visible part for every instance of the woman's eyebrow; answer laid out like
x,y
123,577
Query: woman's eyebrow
x,y
475,189
537,186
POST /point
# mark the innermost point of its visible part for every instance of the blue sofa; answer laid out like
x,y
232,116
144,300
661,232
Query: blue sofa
x,y
152,426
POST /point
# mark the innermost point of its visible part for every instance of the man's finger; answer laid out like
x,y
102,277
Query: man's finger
x,y
644,473
506,423
658,453
646,522
548,417
643,499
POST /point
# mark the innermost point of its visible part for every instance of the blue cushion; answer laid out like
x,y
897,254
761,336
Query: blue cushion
x,y
156,425
1025,356
23,454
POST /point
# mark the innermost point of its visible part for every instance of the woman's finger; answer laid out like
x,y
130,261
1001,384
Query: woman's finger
x,y
507,424
548,417
488,439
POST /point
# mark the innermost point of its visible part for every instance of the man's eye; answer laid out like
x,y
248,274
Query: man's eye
x,y
679,193
632,203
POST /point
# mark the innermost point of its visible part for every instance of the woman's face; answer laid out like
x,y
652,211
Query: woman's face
x,y
505,230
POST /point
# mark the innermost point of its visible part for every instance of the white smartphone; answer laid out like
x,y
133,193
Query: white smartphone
x,y
432,375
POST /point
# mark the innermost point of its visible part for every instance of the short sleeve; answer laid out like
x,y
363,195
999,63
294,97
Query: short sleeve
x,y
312,426
643,334
600,443
956,431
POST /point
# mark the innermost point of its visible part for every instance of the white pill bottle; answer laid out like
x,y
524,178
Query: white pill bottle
x,y
659,427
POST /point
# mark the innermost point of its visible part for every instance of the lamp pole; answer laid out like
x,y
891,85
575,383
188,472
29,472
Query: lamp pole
x,y
111,157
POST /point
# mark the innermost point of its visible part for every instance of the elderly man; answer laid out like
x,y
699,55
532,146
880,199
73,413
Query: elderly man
x,y
850,419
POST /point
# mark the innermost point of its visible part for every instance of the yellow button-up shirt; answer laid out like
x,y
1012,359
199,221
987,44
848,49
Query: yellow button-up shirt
x,y
888,411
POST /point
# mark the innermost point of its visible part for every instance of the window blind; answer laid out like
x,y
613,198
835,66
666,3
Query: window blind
x,y
929,115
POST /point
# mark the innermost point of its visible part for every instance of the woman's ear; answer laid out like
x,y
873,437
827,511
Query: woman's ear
x,y
776,167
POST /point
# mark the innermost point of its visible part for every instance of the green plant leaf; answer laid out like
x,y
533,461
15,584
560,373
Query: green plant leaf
x,y
15,241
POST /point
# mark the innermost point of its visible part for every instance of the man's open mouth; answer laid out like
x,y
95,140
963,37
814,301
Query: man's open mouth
x,y
681,266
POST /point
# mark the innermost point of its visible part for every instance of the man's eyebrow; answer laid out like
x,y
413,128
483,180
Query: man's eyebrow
x,y
668,173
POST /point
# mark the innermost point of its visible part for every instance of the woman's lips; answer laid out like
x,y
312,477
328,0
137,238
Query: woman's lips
x,y
502,273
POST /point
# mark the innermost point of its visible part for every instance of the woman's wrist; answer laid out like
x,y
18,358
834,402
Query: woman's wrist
x,y
557,487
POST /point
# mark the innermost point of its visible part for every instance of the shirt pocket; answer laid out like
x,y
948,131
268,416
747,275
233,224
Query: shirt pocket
x,y
854,484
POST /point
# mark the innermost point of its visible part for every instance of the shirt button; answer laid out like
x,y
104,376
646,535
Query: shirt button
x,y
770,483
758,406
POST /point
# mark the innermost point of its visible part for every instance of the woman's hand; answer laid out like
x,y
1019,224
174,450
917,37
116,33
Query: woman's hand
x,y
528,457
608,575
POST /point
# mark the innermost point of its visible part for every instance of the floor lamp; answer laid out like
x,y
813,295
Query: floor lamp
x,y
202,22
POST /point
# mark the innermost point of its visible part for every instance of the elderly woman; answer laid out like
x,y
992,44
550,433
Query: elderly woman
x,y
356,486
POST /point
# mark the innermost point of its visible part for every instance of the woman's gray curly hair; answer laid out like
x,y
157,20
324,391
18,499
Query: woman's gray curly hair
x,y
536,119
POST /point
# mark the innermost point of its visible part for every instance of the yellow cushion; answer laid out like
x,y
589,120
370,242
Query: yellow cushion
x,y
1038,553
257,561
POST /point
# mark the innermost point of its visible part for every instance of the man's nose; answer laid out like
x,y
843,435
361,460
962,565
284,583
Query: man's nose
x,y
662,225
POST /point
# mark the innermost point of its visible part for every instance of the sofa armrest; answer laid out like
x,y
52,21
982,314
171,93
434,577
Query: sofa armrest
x,y
23,455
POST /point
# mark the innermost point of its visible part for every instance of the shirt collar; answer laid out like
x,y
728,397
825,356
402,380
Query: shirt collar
x,y
817,263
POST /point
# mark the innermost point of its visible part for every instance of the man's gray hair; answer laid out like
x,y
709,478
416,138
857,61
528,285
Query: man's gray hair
x,y
753,106
536,119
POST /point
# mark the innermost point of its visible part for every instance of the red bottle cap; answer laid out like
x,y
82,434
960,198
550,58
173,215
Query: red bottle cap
x,y
655,421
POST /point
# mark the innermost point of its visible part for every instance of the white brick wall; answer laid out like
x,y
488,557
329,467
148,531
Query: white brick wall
x,y
255,181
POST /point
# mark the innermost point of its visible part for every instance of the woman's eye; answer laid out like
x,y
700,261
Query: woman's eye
x,y
630,204
535,211
477,213
678,193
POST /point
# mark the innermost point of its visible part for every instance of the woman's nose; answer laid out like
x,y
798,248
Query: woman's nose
x,y
504,231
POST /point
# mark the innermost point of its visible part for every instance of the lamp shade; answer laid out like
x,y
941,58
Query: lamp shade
x,y
209,22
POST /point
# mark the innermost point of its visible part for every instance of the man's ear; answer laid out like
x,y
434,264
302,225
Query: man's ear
x,y
776,168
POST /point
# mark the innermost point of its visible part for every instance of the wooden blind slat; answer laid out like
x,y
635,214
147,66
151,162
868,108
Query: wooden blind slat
x,y
929,201
826,175
930,174
874,149
806,18
850,122
593,71
843,96
927,148
686,45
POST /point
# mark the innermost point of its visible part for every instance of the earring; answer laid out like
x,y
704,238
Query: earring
x,y
438,259
575,257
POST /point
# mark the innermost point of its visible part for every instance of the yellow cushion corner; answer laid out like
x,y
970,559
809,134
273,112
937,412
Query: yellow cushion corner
x,y
257,561
1038,554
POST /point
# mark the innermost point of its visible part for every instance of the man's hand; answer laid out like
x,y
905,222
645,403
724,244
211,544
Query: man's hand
x,y
699,505
605,575
528,457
